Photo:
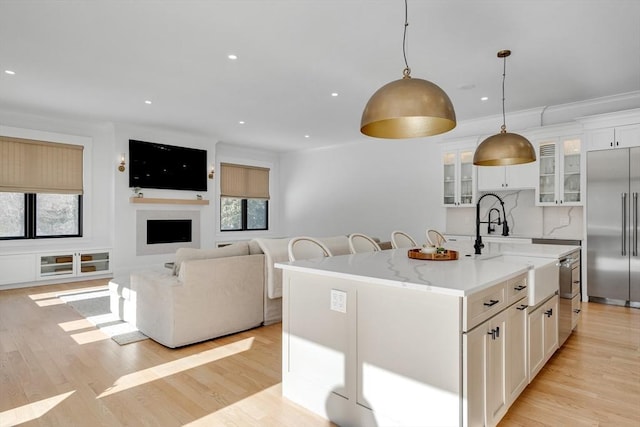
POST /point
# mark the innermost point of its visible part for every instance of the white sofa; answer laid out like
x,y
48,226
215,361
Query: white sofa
x,y
215,292
210,292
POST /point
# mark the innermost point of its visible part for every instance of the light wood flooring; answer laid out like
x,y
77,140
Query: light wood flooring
x,y
56,369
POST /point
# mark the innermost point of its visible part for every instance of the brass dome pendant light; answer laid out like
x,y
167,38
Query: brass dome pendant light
x,y
504,148
407,108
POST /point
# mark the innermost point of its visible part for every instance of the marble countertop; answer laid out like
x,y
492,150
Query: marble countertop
x,y
465,276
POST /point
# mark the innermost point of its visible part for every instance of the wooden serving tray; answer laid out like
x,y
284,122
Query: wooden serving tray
x,y
447,255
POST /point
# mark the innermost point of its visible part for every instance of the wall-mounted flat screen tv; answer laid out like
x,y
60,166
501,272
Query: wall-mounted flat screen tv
x,y
170,167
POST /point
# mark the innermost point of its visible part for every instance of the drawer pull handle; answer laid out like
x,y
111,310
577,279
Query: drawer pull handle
x,y
520,287
491,302
495,333
576,311
549,312
522,307
575,282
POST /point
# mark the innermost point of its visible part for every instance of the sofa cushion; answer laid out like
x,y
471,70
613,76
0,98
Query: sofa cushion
x,y
185,254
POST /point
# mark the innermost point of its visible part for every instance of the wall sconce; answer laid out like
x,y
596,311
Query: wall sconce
x,y
211,173
122,163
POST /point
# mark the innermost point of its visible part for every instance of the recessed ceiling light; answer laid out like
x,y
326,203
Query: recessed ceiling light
x,y
232,56
241,122
484,98
147,102
9,72
307,136
334,94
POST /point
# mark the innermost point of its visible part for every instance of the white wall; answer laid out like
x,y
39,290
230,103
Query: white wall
x,y
109,217
226,153
373,186
98,178
124,230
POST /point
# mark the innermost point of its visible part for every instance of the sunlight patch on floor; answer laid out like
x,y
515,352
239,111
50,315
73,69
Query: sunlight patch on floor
x,y
56,294
171,368
76,325
31,411
89,337
49,302
251,410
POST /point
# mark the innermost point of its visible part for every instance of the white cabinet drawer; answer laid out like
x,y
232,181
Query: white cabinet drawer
x,y
482,305
517,288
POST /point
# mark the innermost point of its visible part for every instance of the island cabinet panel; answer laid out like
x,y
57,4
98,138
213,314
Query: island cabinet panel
x,y
517,340
363,353
316,348
485,374
542,327
393,358
408,347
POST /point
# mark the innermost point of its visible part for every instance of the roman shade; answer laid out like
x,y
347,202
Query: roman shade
x,y
30,166
246,182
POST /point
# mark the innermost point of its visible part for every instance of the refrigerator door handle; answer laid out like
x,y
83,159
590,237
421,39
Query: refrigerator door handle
x,y
635,224
624,224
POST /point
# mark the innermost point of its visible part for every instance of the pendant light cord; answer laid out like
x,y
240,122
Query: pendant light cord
x,y
504,74
407,71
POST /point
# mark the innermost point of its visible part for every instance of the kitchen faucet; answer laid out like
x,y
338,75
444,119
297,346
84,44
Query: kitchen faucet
x,y
478,245
491,229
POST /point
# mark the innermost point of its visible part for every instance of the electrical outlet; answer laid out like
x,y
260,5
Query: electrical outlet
x,y
338,301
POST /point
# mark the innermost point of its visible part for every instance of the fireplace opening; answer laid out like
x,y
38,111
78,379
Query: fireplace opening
x,y
168,231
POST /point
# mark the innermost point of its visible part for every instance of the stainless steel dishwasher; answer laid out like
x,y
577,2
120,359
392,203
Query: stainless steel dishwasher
x,y
569,281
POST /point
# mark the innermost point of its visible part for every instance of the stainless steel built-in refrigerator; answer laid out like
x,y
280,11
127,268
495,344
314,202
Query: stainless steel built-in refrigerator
x,y
613,264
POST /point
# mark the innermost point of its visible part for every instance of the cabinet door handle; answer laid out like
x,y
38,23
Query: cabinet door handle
x,y
491,302
577,311
520,287
624,224
575,282
634,216
549,312
495,333
522,307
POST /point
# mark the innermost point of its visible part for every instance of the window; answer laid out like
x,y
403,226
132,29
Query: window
x,y
243,214
244,198
35,216
40,189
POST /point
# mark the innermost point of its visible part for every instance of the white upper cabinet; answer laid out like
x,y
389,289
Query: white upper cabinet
x,y
615,137
502,178
559,172
612,130
515,177
458,176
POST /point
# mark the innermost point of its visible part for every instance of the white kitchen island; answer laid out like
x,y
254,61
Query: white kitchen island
x,y
381,339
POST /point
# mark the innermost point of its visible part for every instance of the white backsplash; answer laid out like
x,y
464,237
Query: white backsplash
x,y
524,217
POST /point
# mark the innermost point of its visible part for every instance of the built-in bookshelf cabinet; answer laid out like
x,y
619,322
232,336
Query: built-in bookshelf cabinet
x,y
73,264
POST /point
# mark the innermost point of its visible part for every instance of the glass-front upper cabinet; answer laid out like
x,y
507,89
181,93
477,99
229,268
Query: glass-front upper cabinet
x,y
559,178
458,175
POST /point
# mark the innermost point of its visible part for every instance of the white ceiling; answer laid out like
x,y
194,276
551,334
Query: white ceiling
x,y
100,60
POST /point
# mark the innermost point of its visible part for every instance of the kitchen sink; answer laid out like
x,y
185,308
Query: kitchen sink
x,y
543,275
